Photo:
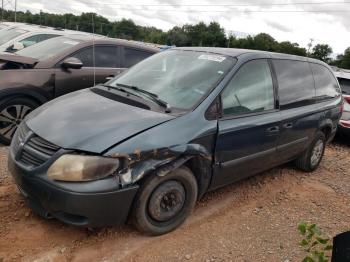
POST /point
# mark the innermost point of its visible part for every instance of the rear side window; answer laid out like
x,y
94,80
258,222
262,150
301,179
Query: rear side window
x,y
133,56
105,56
325,83
250,90
295,82
345,85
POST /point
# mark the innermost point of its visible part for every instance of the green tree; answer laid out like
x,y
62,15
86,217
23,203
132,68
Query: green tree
x,y
322,52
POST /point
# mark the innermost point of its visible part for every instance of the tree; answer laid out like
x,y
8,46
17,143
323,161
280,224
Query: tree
x,y
322,52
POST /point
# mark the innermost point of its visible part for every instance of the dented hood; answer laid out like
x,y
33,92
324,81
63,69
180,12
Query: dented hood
x,y
4,57
87,121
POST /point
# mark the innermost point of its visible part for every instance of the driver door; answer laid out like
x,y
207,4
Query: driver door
x,y
249,128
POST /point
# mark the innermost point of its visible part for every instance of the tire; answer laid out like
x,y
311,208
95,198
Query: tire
x,y
12,111
164,203
308,161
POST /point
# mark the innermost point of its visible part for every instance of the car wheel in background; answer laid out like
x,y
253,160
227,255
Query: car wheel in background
x,y
163,203
12,111
311,158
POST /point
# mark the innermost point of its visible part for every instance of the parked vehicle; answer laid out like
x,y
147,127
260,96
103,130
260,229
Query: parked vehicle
x,y
56,67
344,80
19,36
149,143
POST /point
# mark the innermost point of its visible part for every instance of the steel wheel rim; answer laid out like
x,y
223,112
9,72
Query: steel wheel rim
x,y
317,152
10,118
165,205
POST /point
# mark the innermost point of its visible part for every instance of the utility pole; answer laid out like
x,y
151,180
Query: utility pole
x,y
9,5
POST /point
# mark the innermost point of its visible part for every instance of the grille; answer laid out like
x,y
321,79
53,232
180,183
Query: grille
x,y
35,151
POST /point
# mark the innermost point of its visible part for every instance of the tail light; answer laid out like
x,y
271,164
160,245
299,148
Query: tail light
x,y
346,98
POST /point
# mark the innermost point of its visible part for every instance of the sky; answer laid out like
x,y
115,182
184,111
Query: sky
x,y
324,21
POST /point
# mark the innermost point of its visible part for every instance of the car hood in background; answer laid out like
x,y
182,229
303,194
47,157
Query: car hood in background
x,y
18,59
87,121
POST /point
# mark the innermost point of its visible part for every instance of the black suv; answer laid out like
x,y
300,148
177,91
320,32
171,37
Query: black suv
x,y
56,67
149,143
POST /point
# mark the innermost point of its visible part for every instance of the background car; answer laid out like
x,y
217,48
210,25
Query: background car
x,y
18,36
344,81
56,67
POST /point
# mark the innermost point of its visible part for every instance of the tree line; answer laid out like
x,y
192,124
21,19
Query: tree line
x,y
200,34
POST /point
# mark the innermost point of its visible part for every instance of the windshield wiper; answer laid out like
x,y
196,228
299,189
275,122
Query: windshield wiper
x,y
152,96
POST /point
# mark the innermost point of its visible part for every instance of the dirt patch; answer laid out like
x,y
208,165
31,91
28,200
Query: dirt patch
x,y
253,220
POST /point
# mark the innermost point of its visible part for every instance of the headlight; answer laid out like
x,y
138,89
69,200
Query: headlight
x,y
82,168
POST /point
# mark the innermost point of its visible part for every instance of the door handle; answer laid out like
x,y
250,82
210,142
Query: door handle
x,y
272,130
288,125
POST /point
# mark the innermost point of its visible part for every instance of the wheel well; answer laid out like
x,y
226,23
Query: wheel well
x,y
33,98
202,170
326,130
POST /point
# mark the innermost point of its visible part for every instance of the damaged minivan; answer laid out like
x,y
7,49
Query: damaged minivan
x,y
149,143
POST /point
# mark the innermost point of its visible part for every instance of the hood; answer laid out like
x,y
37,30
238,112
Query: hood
x,y
87,121
4,57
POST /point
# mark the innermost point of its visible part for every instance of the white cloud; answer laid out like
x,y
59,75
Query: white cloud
x,y
318,23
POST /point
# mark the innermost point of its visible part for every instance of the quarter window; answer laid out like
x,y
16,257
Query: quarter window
x,y
133,56
326,85
250,90
295,82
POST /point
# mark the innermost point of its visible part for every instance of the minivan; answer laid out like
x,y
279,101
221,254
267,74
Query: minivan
x,y
149,143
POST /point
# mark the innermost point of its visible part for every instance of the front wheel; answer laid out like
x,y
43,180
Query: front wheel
x,y
12,112
163,203
312,157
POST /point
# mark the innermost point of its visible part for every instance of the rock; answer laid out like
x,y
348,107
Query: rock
x,y
188,256
27,214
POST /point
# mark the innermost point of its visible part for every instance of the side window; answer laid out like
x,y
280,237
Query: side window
x,y
36,39
295,82
250,90
85,56
345,85
133,56
326,85
105,56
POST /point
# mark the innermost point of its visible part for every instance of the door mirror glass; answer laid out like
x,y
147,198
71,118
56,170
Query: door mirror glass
x,y
72,63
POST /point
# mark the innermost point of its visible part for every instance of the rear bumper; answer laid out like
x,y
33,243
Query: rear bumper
x,y
80,204
344,127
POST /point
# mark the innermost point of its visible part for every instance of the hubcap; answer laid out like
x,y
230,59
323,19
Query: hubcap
x,y
317,152
11,117
166,201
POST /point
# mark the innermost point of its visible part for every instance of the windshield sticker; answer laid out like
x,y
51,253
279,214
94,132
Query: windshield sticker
x,y
214,58
71,42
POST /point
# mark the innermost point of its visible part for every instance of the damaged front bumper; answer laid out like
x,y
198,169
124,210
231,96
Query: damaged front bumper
x,y
94,204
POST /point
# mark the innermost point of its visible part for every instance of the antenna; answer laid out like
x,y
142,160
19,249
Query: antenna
x,y
93,48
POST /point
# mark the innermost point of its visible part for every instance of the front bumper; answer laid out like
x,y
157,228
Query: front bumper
x,y
96,203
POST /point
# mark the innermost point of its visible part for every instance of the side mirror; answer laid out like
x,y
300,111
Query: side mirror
x,y
18,46
72,63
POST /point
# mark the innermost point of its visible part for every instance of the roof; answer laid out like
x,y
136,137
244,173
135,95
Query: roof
x,y
236,52
342,74
105,40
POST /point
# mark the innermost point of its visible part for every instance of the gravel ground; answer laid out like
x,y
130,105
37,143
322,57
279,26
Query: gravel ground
x,y
253,220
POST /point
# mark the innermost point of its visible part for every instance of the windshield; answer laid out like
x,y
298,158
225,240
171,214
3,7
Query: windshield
x,y
180,78
345,85
49,48
7,35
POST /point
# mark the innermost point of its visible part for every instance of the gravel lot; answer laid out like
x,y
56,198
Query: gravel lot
x,y
254,220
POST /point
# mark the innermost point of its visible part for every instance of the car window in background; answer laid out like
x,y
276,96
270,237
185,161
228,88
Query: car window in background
x,y
105,56
36,39
159,74
295,82
325,82
9,34
49,48
133,56
345,85
250,90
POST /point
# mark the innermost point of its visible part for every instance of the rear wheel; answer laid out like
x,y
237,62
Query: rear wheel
x,y
12,112
312,157
163,203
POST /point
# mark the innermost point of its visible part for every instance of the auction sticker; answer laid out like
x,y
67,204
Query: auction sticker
x,y
215,58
